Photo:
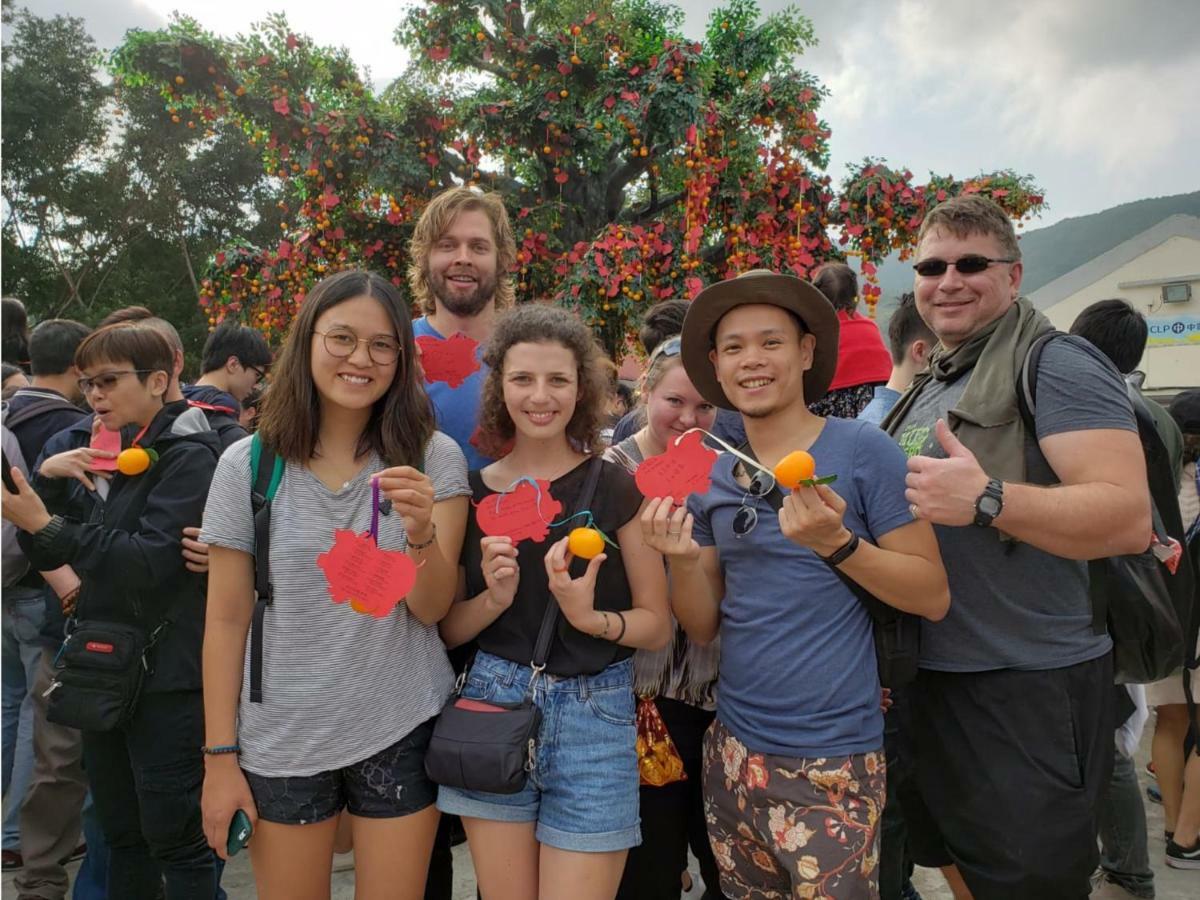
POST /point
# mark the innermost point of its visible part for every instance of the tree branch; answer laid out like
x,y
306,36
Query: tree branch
x,y
632,168
656,205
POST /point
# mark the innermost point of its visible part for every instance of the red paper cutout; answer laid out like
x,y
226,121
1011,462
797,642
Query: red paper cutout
x,y
686,468
372,580
452,360
520,513
105,440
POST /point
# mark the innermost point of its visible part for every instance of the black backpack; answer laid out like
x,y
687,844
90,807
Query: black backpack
x,y
897,633
1145,609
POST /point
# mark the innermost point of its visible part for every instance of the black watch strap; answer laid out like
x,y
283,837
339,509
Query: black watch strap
x,y
842,553
989,503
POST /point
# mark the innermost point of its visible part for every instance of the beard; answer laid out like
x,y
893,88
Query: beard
x,y
466,306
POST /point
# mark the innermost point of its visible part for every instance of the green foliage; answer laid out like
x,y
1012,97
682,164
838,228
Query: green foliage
x,y
636,165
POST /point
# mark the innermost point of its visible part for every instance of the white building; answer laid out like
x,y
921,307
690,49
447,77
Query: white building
x,y
1158,272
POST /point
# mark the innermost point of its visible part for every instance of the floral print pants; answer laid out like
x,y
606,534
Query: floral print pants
x,y
785,827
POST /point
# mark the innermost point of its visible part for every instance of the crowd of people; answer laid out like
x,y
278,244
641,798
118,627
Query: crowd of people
x,y
723,673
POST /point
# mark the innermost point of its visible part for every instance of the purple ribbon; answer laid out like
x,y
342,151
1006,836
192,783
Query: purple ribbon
x,y
375,510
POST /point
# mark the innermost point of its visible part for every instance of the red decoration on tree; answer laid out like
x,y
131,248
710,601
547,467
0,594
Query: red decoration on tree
x,y
524,512
685,468
452,360
372,580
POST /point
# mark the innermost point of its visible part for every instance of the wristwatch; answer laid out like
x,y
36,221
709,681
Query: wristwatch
x,y
990,503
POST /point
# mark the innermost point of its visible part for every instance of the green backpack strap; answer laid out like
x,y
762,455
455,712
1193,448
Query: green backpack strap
x,y
266,467
263,460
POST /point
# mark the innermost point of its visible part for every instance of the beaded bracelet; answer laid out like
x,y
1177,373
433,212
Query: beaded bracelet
x,y
425,544
221,749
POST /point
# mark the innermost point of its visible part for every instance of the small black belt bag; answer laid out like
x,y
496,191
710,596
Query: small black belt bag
x,y
99,672
492,747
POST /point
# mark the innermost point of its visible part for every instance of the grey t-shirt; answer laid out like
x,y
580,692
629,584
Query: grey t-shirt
x,y
1013,606
338,686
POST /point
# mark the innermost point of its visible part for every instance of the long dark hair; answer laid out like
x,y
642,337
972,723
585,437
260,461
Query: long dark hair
x,y
535,323
401,422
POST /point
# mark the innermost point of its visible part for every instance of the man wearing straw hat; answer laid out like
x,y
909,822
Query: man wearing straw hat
x,y
794,768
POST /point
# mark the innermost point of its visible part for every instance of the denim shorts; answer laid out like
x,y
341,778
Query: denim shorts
x,y
388,785
583,790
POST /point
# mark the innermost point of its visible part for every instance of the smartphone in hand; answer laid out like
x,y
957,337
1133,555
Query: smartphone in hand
x,y
239,833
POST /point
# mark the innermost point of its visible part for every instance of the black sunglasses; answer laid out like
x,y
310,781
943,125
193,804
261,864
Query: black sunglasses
x,y
966,265
744,520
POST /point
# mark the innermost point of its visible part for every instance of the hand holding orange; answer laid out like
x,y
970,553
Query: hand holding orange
x,y
799,468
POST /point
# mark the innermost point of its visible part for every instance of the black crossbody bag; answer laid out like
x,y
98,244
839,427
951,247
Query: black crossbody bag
x,y
99,674
492,747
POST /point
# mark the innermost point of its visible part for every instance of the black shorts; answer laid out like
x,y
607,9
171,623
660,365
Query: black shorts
x,y
1009,769
390,784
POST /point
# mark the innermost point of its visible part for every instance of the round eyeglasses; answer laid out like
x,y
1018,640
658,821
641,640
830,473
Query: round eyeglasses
x,y
342,342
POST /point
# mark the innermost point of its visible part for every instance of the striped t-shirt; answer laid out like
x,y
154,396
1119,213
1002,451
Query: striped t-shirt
x,y
338,686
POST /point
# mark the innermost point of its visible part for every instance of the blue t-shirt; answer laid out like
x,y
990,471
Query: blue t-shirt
x,y
798,675
457,408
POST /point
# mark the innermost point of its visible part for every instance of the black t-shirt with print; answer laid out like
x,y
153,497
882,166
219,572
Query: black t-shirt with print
x,y
513,635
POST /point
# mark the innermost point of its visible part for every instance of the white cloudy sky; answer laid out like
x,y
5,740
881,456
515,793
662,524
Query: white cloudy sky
x,y
1097,98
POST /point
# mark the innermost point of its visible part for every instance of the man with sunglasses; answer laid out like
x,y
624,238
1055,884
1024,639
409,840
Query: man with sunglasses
x,y
1009,722
794,768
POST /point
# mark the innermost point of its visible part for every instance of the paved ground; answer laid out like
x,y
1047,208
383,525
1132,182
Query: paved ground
x,y
1170,884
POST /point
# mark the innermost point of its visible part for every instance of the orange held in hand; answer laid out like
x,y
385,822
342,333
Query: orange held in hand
x,y
133,461
585,543
795,468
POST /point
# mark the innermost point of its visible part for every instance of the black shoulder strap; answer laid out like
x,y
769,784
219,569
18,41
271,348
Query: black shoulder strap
x,y
876,607
263,594
541,649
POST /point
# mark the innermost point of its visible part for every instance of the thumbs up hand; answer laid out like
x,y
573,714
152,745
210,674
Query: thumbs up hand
x,y
944,491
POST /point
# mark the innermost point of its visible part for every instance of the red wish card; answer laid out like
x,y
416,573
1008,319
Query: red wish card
x,y
373,581
524,512
452,360
103,439
685,468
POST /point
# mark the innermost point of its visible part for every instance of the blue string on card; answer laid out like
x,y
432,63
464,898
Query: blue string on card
x,y
589,521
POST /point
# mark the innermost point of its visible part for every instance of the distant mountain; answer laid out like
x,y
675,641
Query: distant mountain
x,y
1056,250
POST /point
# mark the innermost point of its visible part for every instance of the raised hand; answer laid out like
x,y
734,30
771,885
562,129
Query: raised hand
x,y
944,491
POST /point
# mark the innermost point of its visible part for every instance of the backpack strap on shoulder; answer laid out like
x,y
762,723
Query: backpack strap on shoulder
x,y
268,471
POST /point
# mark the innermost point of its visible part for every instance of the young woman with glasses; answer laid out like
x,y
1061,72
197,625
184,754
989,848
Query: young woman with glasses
x,y
347,699
566,833
681,678
145,773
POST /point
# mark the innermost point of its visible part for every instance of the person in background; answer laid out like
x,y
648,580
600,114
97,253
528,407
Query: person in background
x,y
14,379
461,252
14,333
910,342
1176,760
145,774
1119,331
34,414
251,405
681,679
863,361
663,320
235,363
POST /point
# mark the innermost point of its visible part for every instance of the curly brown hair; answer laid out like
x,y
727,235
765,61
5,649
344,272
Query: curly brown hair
x,y
401,423
536,323
434,221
